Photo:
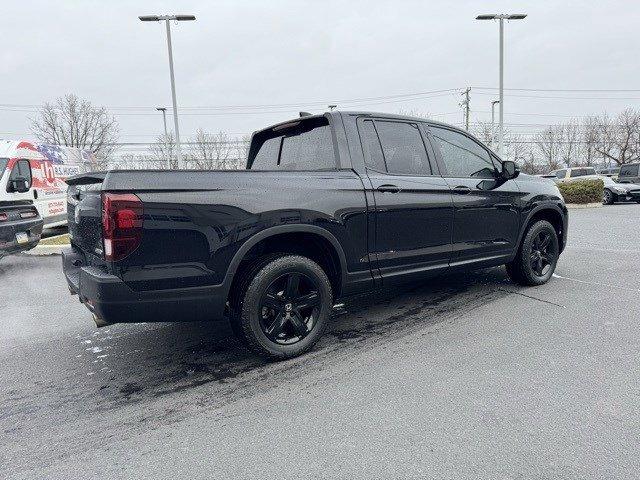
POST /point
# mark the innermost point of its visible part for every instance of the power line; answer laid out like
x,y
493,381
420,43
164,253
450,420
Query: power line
x,y
556,97
560,89
261,106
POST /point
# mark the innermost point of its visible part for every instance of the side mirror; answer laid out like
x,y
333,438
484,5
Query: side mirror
x,y
510,170
19,185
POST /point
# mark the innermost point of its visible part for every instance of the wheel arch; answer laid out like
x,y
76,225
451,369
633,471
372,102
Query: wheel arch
x,y
551,213
326,239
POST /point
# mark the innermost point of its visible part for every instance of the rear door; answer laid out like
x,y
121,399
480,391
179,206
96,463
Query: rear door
x,y
487,214
413,211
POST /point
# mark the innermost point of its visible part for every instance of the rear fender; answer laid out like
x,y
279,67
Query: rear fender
x,y
269,232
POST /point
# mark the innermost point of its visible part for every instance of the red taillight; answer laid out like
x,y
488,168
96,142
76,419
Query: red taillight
x,y
3,217
121,224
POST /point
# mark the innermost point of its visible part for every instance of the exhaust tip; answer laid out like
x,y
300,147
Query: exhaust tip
x,y
100,322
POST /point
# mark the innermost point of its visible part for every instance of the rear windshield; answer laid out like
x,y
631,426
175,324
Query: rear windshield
x,y
299,145
581,172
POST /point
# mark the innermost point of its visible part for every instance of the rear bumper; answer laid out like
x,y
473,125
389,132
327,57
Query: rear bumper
x,y
8,231
113,301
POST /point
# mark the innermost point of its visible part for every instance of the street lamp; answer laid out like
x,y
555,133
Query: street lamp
x,y
167,18
501,18
166,135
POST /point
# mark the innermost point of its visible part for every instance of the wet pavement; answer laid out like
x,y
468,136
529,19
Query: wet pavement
x,y
467,376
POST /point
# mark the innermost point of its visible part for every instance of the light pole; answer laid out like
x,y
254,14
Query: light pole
x,y
493,111
166,135
501,18
167,19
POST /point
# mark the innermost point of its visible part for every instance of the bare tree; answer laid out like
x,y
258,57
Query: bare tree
x,y
210,151
488,133
242,151
528,163
161,155
73,122
570,143
590,136
548,144
619,139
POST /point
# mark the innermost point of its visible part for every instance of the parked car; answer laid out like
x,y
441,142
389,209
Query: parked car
x,y
20,226
619,192
610,172
629,173
328,206
44,169
567,174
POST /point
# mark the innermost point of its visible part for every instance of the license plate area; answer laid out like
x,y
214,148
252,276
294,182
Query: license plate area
x,y
22,237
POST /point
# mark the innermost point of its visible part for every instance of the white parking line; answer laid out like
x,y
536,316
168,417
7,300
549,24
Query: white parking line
x,y
555,275
612,250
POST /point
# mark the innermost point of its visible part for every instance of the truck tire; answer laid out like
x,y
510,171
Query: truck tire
x,y
537,256
282,306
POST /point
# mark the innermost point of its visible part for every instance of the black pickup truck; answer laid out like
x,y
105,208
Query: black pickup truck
x,y
329,205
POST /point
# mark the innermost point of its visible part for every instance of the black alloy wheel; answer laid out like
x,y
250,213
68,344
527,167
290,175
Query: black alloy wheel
x,y
542,256
607,197
281,305
289,308
537,256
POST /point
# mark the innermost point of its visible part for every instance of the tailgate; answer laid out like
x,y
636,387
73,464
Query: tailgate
x,y
84,211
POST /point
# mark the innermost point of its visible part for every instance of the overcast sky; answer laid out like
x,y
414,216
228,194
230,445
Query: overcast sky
x,y
265,61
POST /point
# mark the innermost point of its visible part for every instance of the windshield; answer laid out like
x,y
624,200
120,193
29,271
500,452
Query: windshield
x,y
3,165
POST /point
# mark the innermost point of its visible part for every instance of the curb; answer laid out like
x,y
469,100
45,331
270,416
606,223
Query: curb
x,y
44,250
583,205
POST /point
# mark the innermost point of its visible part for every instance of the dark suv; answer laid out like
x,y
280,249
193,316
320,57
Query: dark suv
x,y
629,173
328,206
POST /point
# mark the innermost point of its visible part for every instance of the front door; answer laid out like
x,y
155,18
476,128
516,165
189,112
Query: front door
x,y
413,211
487,215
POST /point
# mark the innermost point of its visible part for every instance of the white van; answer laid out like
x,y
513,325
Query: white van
x,y
32,171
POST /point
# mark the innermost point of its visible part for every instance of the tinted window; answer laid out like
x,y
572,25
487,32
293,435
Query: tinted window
x,y
403,149
462,156
629,170
304,145
21,169
267,156
372,150
561,173
581,172
312,150
3,165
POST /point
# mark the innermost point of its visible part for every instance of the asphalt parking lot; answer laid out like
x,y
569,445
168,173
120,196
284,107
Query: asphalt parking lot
x,y
464,377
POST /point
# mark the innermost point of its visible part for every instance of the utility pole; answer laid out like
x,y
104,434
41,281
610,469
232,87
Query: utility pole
x,y
466,105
